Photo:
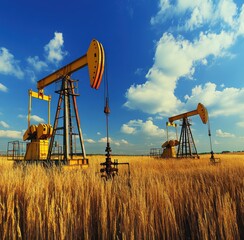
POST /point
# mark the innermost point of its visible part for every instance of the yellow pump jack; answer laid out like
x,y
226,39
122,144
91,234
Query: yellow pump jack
x,y
39,149
186,144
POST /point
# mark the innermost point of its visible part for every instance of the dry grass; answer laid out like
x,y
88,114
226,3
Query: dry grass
x,y
166,199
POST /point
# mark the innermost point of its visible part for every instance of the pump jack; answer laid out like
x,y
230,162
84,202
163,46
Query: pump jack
x,y
37,149
187,147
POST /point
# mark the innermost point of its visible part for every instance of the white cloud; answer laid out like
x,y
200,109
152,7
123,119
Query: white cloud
x,y
241,22
36,63
89,140
224,102
112,141
139,127
201,12
227,11
11,134
4,124
38,119
174,58
198,13
116,143
34,118
8,64
53,49
177,57
124,141
104,140
165,10
220,133
128,129
3,88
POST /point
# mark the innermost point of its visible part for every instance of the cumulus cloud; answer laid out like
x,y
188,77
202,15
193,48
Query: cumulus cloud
x,y
9,65
54,53
36,63
11,134
174,58
139,127
220,133
89,140
113,141
196,14
34,118
128,129
4,124
124,141
3,88
241,22
225,102
54,49
227,11
177,56
104,140
38,119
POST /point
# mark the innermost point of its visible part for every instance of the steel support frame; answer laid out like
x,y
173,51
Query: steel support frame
x,y
187,147
67,97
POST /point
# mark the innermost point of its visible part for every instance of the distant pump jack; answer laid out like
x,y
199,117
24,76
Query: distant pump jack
x,y
186,144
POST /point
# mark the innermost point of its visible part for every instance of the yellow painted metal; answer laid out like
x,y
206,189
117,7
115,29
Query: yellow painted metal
x,y
201,111
39,95
62,72
37,150
44,131
171,124
94,59
169,148
30,132
170,143
33,129
169,153
34,132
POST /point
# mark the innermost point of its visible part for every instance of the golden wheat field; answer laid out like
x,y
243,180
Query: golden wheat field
x,y
162,199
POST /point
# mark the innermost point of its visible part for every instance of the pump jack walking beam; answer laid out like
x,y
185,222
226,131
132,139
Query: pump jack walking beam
x,y
94,59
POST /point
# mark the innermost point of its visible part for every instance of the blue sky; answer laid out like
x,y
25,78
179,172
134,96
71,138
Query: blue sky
x,y
162,58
